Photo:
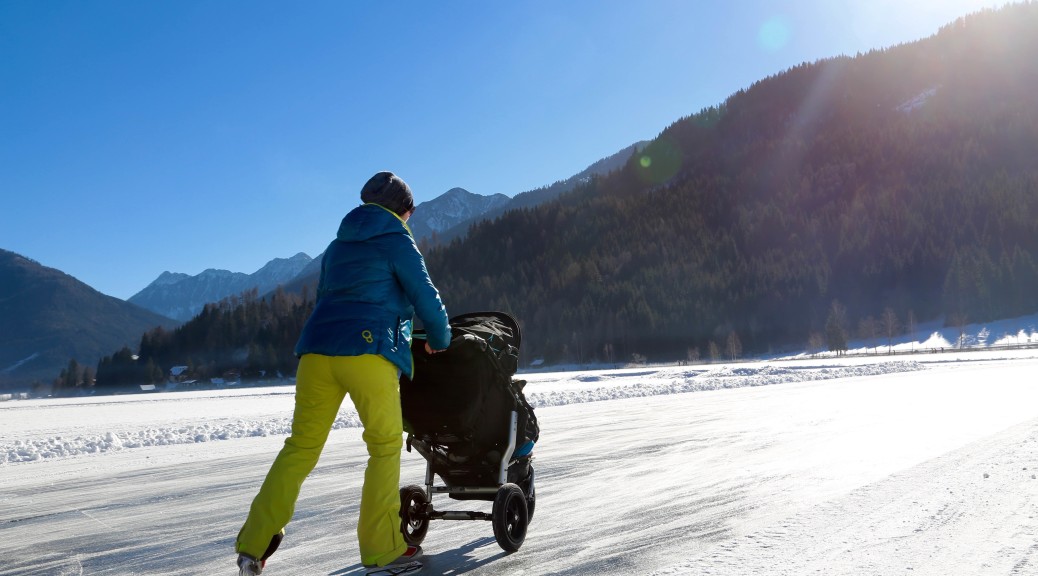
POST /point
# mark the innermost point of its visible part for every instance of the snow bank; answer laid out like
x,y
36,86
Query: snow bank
x,y
935,336
542,391
662,382
59,446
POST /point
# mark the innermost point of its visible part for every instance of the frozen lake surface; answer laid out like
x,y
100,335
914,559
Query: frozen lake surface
x,y
914,465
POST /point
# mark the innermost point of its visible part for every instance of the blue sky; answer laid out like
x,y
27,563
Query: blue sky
x,y
139,137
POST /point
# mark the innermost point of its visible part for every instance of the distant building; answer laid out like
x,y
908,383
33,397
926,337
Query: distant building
x,y
177,373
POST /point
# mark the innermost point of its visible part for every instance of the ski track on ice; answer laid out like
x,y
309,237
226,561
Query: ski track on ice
x,y
595,388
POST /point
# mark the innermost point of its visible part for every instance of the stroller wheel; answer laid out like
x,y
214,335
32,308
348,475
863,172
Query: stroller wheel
x,y
414,522
510,517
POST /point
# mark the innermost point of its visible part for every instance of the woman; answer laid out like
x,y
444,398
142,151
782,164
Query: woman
x,y
357,341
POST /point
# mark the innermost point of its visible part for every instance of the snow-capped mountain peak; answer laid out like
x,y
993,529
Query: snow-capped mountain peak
x,y
450,208
169,278
182,296
279,271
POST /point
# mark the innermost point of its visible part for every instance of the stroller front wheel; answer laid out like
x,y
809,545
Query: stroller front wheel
x,y
414,523
510,517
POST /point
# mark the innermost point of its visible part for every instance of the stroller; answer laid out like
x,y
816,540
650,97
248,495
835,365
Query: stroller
x,y
469,419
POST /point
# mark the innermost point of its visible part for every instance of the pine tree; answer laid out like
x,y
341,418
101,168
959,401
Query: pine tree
x,y
836,328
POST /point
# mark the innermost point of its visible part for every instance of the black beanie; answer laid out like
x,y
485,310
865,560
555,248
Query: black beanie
x,y
389,191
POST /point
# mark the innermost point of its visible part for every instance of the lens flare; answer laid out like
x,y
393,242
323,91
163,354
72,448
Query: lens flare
x,y
660,161
774,34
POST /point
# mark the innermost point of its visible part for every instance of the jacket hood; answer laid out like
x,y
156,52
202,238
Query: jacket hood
x,y
370,220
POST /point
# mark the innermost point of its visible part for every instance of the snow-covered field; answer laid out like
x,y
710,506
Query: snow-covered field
x,y
914,464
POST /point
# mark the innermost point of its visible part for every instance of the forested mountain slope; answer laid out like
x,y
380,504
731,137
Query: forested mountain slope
x,y
902,179
48,318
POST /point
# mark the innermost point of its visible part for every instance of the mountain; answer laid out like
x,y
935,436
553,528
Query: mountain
x,y
279,271
600,168
306,280
533,197
182,296
48,317
903,179
449,215
451,208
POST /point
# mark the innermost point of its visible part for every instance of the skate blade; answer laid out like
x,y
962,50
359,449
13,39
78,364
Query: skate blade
x,y
409,568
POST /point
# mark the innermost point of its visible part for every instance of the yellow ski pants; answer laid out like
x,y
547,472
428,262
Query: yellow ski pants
x,y
322,383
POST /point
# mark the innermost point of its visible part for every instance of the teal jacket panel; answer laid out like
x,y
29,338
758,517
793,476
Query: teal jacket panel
x,y
373,281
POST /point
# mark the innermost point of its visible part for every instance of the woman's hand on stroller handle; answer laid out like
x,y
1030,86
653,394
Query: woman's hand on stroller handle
x,y
429,349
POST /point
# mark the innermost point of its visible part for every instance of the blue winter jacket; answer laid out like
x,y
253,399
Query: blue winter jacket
x,y
373,280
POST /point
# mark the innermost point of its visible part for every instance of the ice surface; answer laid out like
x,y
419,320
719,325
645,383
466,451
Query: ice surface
x,y
884,465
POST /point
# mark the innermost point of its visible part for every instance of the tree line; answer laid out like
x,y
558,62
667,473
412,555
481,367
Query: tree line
x,y
242,336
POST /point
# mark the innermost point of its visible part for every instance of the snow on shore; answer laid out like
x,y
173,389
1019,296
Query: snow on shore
x,y
112,426
678,381
193,417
